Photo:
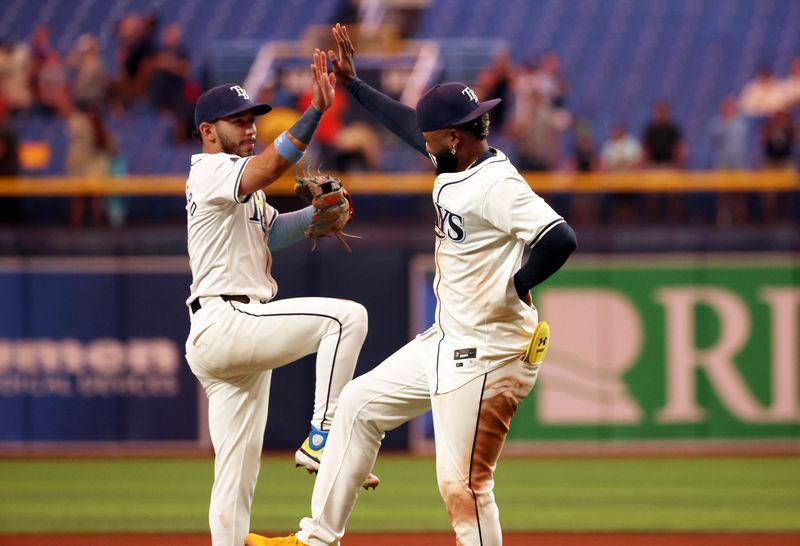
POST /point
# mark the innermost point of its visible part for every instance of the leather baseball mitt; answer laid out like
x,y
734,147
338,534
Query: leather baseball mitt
x,y
333,207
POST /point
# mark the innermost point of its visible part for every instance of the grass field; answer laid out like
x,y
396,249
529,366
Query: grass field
x,y
151,495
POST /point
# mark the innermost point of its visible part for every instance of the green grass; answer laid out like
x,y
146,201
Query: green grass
x,y
706,494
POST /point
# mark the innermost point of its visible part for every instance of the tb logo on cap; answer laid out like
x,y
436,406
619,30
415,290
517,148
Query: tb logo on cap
x,y
469,93
242,93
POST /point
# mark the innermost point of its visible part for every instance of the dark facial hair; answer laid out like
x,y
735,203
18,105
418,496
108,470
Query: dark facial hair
x,y
230,146
446,162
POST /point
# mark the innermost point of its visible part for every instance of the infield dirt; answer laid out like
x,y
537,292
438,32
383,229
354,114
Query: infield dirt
x,y
434,539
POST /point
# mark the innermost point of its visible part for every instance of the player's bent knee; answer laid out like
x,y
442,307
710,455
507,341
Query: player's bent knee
x,y
455,495
351,397
357,314
354,406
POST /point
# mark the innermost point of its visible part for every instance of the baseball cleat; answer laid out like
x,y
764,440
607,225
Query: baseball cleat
x,y
310,453
257,540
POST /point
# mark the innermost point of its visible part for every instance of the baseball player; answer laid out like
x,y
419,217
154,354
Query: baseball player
x,y
239,333
469,367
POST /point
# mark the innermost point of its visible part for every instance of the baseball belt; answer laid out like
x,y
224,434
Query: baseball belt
x,y
195,305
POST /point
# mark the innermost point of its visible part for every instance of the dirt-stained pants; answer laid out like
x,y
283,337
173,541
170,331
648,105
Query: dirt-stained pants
x,y
470,426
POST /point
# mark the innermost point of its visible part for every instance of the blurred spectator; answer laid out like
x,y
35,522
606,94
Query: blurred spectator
x,y
52,92
662,139
357,148
496,81
585,206
550,79
778,136
40,50
292,82
169,83
663,149
88,72
791,86
537,129
15,62
621,152
763,95
135,52
584,155
89,155
117,205
728,131
9,166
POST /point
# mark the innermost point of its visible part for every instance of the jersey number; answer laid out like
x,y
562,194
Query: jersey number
x,y
191,206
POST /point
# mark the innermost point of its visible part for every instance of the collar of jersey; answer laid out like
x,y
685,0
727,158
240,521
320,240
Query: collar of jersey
x,y
488,154
491,153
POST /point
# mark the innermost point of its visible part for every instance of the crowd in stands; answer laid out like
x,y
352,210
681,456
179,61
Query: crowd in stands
x,y
77,88
536,119
545,136
535,122
38,79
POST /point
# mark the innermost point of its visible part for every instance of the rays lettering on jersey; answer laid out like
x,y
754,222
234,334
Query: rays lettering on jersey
x,y
449,224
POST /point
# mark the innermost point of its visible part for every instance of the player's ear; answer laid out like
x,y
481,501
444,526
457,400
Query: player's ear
x,y
207,131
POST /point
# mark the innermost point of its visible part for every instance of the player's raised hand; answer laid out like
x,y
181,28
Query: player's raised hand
x,y
322,83
343,65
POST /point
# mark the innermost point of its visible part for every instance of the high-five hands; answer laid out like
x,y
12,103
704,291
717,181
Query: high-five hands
x,y
343,65
322,88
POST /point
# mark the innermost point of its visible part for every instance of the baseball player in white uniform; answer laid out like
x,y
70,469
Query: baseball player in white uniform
x,y
468,368
239,332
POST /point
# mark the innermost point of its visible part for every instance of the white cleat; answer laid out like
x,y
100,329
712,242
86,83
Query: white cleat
x,y
307,457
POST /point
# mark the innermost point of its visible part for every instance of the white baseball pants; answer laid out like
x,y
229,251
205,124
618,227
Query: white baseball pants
x,y
470,426
232,349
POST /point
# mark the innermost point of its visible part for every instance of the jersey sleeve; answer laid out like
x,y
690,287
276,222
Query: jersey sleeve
x,y
512,207
270,214
218,178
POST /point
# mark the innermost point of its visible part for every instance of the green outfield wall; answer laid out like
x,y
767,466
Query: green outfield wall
x,y
655,348
669,348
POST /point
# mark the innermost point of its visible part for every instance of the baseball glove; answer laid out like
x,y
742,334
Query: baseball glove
x,y
333,207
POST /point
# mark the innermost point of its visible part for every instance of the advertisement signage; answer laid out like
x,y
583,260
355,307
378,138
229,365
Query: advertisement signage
x,y
661,347
91,349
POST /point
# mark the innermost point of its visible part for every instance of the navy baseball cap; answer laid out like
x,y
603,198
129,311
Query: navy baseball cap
x,y
450,104
223,101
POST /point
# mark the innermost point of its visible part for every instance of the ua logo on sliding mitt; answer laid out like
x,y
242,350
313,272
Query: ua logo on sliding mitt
x,y
537,348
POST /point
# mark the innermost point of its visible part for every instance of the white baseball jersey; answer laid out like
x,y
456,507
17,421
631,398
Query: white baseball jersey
x,y
227,234
486,215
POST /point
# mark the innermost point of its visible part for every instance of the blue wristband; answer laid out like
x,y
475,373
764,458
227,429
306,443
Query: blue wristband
x,y
286,149
303,129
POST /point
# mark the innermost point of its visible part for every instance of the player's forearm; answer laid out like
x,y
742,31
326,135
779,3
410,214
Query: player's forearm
x,y
395,116
546,258
284,152
289,227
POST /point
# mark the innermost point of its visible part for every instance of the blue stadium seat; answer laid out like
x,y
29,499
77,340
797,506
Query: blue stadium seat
x,y
620,56
143,135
